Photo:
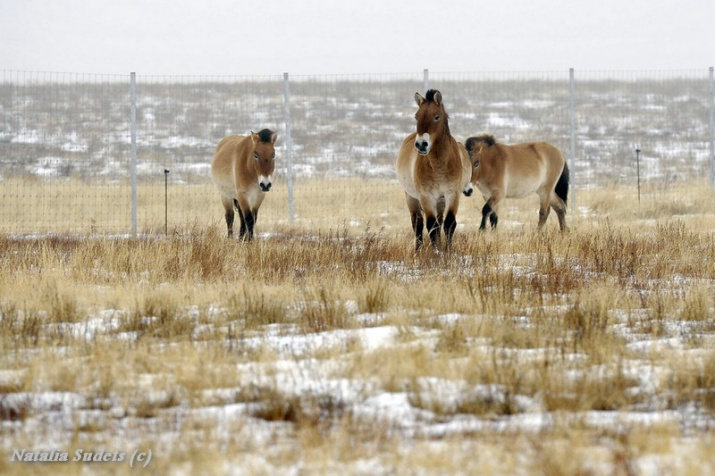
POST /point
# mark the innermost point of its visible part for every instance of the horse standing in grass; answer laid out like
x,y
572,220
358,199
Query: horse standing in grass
x,y
241,169
515,171
433,169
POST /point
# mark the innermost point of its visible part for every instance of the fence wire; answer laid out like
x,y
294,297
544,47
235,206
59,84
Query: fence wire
x,y
65,153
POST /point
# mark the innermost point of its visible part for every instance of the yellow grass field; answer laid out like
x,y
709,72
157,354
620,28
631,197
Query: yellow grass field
x,y
327,346
321,205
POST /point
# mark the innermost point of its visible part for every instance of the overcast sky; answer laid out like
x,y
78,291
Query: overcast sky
x,y
237,37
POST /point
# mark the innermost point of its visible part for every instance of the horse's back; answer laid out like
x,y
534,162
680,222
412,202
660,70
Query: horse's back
x,y
530,166
540,151
532,158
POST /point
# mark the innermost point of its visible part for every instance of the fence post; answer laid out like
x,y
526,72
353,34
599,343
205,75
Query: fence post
x,y
133,107
426,79
572,107
712,128
289,148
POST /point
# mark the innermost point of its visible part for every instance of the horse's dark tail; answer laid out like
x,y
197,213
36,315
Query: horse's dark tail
x,y
562,186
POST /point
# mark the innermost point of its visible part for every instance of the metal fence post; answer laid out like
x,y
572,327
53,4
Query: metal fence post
x,y
572,107
426,79
712,128
289,148
133,107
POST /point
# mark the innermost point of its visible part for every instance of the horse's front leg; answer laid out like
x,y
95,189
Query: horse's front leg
x,y
486,214
413,205
450,218
489,211
433,226
242,230
432,219
250,218
247,219
229,214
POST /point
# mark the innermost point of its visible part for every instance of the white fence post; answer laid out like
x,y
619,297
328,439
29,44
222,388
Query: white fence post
x,y
572,108
133,107
289,148
426,79
712,128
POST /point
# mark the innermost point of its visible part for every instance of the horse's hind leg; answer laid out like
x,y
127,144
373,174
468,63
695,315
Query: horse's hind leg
x,y
544,209
560,208
413,205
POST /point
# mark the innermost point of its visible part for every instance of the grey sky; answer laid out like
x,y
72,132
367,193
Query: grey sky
x,y
223,37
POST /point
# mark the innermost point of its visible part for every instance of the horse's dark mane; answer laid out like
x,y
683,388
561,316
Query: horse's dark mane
x,y
265,135
430,95
488,139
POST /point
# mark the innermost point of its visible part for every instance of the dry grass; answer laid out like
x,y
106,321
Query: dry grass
x,y
333,348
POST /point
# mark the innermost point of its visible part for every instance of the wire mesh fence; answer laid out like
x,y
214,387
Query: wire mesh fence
x,y
65,139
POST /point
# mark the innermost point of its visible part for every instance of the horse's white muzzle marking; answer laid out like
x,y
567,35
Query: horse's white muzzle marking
x,y
423,144
468,190
265,183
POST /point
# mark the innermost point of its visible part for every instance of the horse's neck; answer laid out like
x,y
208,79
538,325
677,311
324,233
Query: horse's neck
x,y
443,146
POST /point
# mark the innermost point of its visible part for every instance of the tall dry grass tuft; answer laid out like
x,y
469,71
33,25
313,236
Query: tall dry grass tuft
x,y
338,339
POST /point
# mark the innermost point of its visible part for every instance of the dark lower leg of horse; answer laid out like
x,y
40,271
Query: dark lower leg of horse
x,y
242,230
229,222
493,219
433,226
561,214
250,220
418,225
486,213
543,215
450,225
243,227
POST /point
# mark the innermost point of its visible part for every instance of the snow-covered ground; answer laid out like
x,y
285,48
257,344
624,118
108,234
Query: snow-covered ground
x,y
313,372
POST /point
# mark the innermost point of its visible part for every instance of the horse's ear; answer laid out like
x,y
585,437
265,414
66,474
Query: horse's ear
x,y
419,99
438,98
274,136
254,138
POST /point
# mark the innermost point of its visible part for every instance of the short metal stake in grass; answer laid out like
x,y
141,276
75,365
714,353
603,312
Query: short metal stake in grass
x,y
166,201
638,173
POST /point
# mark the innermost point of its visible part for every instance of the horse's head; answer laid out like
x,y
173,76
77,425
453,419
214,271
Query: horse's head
x,y
479,148
264,154
432,121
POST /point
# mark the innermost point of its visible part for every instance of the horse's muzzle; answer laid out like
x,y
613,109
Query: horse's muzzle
x,y
423,144
422,147
265,187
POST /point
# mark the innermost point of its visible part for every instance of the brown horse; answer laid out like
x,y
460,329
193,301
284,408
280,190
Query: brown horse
x,y
241,169
433,169
515,171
